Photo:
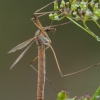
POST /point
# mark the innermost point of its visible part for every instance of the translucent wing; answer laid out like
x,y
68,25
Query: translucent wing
x,y
22,54
22,45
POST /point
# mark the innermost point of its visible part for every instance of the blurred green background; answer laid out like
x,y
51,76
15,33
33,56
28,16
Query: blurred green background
x,y
75,50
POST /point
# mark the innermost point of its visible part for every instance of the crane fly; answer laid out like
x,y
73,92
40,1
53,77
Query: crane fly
x,y
42,40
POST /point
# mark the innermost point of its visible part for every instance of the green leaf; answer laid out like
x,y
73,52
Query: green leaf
x,y
97,94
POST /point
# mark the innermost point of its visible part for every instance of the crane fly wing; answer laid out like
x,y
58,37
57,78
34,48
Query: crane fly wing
x,y
22,54
22,45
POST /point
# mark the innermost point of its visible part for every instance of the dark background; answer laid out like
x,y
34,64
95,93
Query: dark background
x,y
75,50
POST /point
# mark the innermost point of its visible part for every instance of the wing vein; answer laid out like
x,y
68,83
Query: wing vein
x,y
22,54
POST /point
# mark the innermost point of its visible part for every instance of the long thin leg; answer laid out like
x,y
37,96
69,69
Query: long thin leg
x,y
40,13
41,29
46,78
60,24
37,71
37,21
52,25
70,73
44,13
44,7
38,24
37,57
48,26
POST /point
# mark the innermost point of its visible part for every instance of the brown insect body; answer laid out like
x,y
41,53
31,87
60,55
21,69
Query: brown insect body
x,y
41,40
